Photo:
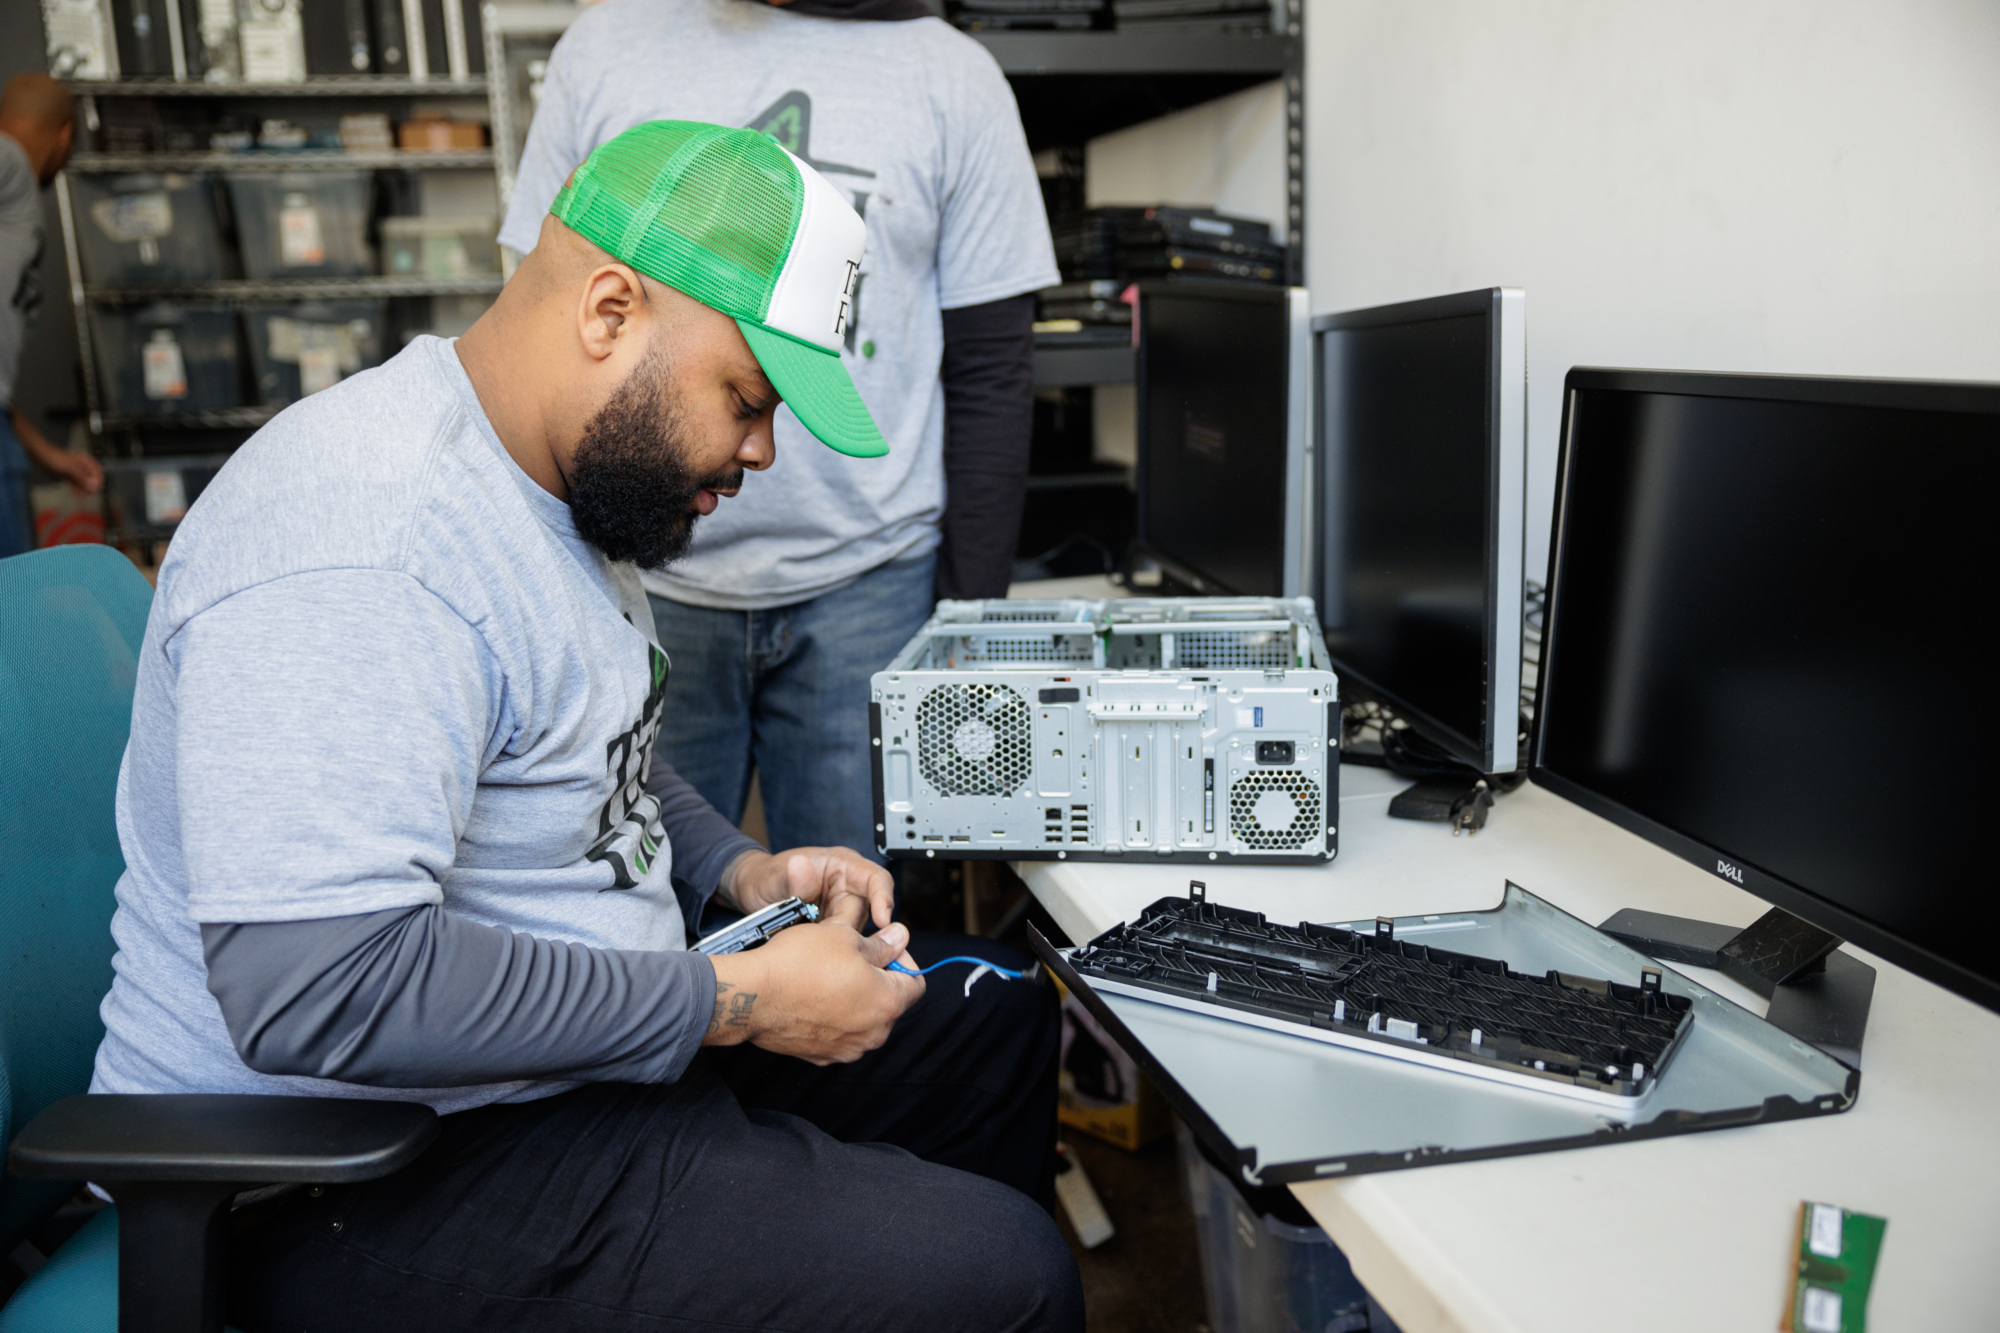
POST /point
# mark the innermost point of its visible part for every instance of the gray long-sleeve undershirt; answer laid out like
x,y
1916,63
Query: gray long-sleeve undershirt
x,y
419,997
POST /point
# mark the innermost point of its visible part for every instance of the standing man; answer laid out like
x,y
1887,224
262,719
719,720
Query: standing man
x,y
786,606
37,126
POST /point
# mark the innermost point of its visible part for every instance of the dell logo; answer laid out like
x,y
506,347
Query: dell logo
x,y
1729,872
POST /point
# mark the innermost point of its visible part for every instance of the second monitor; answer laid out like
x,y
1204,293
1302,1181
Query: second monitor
x,y
1421,462
1224,373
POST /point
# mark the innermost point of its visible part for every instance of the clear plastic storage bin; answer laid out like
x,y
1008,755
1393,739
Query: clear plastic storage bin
x,y
168,357
150,496
302,224
300,349
439,247
147,229
1264,1275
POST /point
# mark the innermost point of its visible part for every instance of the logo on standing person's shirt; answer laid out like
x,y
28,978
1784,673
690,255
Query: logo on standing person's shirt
x,y
789,120
629,831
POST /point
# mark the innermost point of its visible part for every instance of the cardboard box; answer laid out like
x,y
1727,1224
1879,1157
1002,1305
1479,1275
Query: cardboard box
x,y
1100,1090
434,134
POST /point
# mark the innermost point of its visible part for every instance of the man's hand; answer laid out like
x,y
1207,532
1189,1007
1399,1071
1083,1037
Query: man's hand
x,y
819,992
79,469
846,886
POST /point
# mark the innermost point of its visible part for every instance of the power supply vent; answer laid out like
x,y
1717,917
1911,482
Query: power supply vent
x,y
1217,648
1000,615
974,740
1070,649
1275,810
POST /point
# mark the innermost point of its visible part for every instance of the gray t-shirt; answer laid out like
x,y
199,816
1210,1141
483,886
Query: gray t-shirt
x,y
382,670
21,243
915,123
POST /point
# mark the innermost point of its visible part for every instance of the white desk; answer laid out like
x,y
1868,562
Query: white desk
x,y
1685,1233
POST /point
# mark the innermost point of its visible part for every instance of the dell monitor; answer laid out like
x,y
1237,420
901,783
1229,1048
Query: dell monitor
x,y
1223,377
1763,646
1421,463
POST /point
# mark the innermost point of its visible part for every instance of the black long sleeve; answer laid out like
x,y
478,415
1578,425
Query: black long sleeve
x,y
989,409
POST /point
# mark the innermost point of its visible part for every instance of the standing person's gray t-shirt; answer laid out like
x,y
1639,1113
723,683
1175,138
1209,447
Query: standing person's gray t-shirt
x,y
21,243
915,123
382,670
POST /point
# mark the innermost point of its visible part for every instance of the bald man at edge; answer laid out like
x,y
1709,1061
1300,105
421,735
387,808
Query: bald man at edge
x,y
37,130
391,831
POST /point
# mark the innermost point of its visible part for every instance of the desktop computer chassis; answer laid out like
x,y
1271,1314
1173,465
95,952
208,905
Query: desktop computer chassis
x,y
1192,729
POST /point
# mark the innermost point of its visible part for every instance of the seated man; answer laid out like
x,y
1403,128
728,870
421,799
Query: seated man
x,y
392,828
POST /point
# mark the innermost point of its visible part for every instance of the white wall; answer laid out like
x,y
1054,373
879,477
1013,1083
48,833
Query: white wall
x,y
1806,186
1228,155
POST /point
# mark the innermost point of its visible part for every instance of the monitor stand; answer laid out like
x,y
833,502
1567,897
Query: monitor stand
x,y
1817,993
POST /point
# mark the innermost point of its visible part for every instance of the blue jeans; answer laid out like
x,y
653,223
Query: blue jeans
x,y
786,691
17,524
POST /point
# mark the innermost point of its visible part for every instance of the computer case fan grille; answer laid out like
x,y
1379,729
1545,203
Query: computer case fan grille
x,y
974,739
1275,810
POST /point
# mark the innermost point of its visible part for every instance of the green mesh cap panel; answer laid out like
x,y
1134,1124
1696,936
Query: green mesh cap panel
x,y
707,210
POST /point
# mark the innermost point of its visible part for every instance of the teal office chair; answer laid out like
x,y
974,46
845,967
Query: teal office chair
x,y
72,621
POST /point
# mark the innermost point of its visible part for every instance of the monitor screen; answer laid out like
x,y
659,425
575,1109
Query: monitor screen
x,y
1419,542
1213,441
1763,643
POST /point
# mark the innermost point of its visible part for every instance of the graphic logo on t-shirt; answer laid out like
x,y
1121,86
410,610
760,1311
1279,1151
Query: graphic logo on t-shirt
x,y
629,832
789,120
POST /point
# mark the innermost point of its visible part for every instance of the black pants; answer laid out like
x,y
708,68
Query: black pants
x,y
758,1192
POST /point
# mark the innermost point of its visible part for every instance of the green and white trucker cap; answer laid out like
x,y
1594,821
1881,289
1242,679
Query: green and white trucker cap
x,y
738,223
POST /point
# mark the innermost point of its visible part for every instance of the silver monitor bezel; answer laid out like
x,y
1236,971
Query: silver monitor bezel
x,y
1497,749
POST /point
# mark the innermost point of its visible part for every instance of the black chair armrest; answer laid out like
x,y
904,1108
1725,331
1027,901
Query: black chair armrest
x,y
174,1161
210,1137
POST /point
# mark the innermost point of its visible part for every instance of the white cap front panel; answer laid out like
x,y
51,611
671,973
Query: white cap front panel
x,y
812,298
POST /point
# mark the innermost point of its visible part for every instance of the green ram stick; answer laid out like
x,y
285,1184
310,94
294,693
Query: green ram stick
x,y
1837,1251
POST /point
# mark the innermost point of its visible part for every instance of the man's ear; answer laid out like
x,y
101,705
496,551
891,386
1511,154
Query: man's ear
x,y
613,298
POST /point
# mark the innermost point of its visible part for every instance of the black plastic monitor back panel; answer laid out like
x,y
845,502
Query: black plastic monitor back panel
x,y
1222,426
1420,467
1765,647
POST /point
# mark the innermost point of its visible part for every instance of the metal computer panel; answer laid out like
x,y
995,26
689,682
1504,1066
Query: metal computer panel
x,y
1282,1108
1174,729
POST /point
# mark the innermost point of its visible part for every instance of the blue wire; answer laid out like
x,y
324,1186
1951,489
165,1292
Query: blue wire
x,y
1007,972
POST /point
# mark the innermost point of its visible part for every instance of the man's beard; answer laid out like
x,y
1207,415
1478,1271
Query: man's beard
x,y
631,491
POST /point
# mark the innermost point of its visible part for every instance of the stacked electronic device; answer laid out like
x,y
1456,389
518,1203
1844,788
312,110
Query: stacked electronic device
x,y
1194,17
1166,17
1187,729
1126,244
1030,15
